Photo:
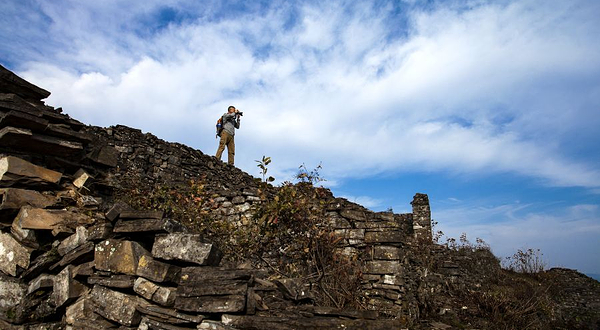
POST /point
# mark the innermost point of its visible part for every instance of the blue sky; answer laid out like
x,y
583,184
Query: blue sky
x,y
490,107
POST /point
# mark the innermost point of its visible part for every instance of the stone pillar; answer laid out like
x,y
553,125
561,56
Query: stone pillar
x,y
421,218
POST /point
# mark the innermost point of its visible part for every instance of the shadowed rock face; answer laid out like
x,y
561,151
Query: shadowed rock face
x,y
68,248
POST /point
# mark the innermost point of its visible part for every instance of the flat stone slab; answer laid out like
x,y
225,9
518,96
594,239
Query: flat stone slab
x,y
147,225
24,140
384,237
44,281
66,288
15,198
18,172
13,255
114,281
186,247
55,220
212,304
116,306
169,315
129,214
164,296
383,267
118,256
12,293
157,271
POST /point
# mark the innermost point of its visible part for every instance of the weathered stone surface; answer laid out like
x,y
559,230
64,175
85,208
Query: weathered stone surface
x,y
84,269
43,281
82,253
13,255
115,211
18,172
169,315
66,288
331,311
72,242
212,304
382,252
214,325
213,288
80,310
11,83
190,275
99,231
27,237
383,267
15,198
157,271
152,324
164,296
186,247
114,281
55,220
116,306
26,140
80,178
118,256
289,323
384,237
355,215
130,214
106,155
41,264
11,293
147,225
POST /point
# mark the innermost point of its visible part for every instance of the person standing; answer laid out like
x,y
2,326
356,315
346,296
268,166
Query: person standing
x,y
230,122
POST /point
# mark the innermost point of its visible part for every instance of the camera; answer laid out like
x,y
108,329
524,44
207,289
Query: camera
x,y
239,113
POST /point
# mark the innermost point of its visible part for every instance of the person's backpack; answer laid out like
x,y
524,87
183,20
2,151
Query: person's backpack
x,y
219,126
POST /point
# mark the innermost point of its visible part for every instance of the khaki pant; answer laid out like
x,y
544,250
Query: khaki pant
x,y
226,140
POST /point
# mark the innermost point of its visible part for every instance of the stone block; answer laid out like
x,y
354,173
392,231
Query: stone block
x,y
186,247
116,306
43,281
80,178
164,296
106,155
157,271
148,225
130,214
15,198
40,264
118,256
66,288
383,252
294,289
72,242
113,281
354,215
383,267
13,256
379,237
213,288
212,304
99,231
82,309
115,211
16,171
12,292
214,325
199,275
55,220
169,315
27,141
393,280
153,324
80,254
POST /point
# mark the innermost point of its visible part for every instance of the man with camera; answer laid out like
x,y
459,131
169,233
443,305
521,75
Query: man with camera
x,y
229,121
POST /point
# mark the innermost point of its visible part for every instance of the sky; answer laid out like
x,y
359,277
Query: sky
x,y
492,108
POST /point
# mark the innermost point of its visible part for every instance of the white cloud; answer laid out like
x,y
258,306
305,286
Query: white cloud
x,y
465,90
567,237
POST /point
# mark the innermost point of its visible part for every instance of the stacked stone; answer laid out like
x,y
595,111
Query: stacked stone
x,y
380,240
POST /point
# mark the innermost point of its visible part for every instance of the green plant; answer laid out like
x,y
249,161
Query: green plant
x,y
262,164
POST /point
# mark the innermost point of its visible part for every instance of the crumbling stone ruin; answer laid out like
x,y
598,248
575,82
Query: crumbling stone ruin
x,y
73,255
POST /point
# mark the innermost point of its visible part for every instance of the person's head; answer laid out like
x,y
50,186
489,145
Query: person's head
x,y
231,109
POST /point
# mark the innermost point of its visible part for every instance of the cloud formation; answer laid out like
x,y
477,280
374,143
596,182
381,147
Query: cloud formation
x,y
462,90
